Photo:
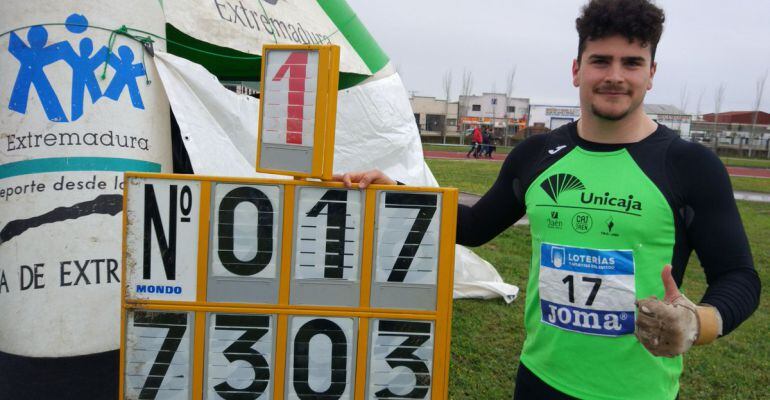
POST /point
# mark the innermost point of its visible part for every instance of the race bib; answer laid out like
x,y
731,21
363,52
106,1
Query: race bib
x,y
587,290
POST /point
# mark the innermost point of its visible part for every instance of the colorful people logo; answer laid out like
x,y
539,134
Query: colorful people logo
x,y
33,58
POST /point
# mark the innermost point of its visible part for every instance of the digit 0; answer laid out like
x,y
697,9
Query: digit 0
x,y
302,356
264,231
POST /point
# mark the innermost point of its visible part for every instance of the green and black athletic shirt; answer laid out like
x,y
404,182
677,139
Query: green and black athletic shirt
x,y
605,219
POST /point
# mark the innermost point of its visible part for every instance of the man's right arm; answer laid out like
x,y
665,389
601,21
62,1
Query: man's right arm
x,y
503,204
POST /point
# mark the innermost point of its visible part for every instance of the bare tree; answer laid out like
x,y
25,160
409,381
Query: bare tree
x,y
447,93
757,103
466,89
508,93
719,97
684,98
698,114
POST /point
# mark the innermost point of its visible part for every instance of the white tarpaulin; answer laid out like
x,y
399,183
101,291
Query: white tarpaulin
x,y
246,25
375,129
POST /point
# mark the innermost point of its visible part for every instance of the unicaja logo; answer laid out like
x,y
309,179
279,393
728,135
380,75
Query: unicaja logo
x,y
37,53
557,184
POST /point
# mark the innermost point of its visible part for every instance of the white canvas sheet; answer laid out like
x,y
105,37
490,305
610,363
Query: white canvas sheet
x,y
375,129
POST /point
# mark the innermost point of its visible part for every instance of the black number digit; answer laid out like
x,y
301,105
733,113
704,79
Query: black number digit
x,y
339,367
264,231
255,327
416,334
426,204
569,280
177,326
597,283
335,202
152,219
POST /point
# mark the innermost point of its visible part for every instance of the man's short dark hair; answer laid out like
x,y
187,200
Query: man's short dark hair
x,y
636,20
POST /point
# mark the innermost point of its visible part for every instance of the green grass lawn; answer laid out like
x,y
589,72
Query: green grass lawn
x,y
477,176
487,335
746,162
760,185
729,161
460,149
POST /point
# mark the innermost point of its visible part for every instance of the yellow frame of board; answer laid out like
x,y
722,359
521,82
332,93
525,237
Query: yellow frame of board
x,y
325,112
364,312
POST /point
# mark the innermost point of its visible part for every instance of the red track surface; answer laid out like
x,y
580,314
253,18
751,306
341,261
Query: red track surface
x,y
733,171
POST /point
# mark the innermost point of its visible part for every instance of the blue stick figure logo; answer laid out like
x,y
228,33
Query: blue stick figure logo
x,y
36,54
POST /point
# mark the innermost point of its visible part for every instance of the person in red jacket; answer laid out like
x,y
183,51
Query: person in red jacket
x,y
475,144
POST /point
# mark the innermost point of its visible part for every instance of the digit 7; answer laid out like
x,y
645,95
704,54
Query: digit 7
x,y
177,326
426,204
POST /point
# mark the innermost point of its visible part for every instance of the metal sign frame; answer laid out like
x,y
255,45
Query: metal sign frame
x,y
325,110
282,310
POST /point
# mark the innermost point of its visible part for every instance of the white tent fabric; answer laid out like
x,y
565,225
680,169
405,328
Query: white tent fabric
x,y
375,129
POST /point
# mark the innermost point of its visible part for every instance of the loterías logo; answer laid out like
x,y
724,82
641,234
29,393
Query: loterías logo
x,y
34,55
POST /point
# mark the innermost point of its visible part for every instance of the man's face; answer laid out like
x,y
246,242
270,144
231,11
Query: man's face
x,y
613,76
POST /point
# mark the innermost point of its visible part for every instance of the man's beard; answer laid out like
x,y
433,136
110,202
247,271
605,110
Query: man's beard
x,y
610,116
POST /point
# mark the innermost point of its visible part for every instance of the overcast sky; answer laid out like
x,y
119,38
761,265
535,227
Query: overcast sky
x,y
705,43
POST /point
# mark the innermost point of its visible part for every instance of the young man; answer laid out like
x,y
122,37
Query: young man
x,y
616,205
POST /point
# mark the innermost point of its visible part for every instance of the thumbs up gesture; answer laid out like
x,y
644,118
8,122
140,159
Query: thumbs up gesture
x,y
668,327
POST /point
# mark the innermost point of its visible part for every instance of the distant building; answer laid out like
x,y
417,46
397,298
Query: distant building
x,y
672,117
739,117
548,117
249,88
733,133
430,115
505,115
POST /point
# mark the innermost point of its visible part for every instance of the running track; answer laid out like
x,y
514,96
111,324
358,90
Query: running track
x,y
733,171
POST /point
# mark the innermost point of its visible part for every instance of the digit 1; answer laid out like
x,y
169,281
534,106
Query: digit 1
x,y
264,231
426,203
335,202
335,334
570,281
152,220
296,65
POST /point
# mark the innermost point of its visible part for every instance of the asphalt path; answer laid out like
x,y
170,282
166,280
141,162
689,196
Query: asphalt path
x,y
733,171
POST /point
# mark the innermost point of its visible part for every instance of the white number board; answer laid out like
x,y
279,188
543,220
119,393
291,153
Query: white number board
x,y
239,288
328,239
240,356
291,85
246,222
158,355
162,238
400,357
407,237
320,358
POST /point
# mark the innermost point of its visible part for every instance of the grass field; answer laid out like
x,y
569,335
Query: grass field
x,y
729,161
746,162
487,335
760,185
477,176
461,149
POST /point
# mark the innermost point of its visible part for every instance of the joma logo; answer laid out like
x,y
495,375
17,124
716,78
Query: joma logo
x,y
565,316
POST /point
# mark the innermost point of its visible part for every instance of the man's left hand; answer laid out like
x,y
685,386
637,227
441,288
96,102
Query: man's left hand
x,y
669,327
